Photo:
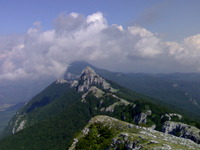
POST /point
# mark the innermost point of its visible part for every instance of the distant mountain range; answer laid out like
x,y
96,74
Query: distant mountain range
x,y
181,90
16,91
54,117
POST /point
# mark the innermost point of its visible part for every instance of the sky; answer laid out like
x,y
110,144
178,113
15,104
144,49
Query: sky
x,y
41,38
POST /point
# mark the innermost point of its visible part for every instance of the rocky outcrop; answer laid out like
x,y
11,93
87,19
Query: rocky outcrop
x,y
182,130
95,91
18,123
170,116
89,78
131,137
119,101
61,81
74,83
124,140
142,117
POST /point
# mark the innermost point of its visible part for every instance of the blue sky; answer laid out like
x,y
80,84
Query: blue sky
x,y
18,15
41,38
172,19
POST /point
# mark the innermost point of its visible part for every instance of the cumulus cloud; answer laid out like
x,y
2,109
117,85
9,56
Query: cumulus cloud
x,y
77,37
187,52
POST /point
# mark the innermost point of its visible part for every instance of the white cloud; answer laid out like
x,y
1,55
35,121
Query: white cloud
x,y
186,52
76,37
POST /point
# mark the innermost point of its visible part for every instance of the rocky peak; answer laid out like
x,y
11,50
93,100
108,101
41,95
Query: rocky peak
x,y
89,78
88,72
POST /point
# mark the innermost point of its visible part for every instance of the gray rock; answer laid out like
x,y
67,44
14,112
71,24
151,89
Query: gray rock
x,y
85,131
137,138
142,118
182,130
171,115
89,78
129,145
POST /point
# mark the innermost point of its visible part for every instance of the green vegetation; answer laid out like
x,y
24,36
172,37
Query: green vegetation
x,y
98,138
5,117
58,131
178,90
58,113
59,96
109,133
7,114
54,133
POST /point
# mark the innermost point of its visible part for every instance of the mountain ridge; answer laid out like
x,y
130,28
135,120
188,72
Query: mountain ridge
x,y
180,90
60,111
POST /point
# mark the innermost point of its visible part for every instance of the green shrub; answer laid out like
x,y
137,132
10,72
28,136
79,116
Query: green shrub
x,y
98,138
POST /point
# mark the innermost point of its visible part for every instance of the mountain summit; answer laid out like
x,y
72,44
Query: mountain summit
x,y
88,71
181,90
89,78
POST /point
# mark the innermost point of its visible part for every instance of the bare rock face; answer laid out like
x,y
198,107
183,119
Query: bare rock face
x,y
142,117
171,115
89,78
18,123
182,130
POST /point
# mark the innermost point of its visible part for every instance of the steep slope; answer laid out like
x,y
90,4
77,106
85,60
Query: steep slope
x,y
103,132
52,118
51,101
7,112
180,90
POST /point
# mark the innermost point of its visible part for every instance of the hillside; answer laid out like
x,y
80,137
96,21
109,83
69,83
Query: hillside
x,y
180,90
53,117
103,132
7,111
51,101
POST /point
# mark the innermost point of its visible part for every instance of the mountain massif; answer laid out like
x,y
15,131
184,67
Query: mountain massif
x,y
180,90
57,115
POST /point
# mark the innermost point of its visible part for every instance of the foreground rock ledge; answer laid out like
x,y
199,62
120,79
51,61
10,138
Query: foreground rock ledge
x,y
136,137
